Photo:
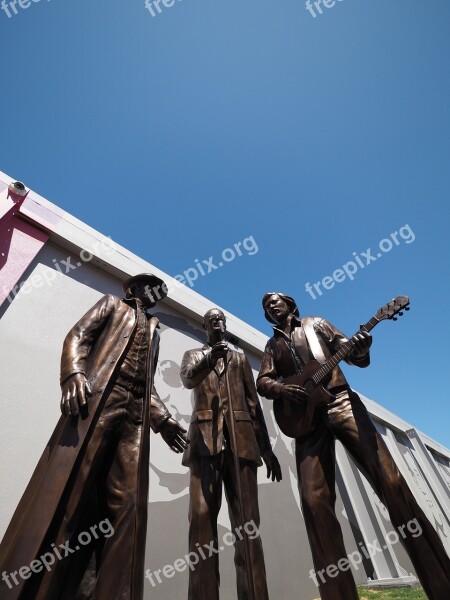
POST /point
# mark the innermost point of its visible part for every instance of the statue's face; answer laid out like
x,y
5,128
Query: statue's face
x,y
214,322
276,308
145,293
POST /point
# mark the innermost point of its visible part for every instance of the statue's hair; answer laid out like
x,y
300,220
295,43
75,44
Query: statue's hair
x,y
288,299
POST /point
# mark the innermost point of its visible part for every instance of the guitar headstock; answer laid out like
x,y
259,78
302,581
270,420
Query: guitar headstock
x,y
393,308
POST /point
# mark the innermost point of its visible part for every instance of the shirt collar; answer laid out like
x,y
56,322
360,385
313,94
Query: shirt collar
x,y
138,304
295,322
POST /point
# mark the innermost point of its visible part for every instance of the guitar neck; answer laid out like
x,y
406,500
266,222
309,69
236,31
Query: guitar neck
x,y
341,354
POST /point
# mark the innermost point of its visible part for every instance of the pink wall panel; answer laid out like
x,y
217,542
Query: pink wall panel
x,y
19,244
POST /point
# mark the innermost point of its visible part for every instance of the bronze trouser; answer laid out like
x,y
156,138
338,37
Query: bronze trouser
x,y
347,419
205,489
106,487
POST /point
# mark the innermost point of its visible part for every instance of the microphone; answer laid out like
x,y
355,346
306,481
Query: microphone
x,y
222,338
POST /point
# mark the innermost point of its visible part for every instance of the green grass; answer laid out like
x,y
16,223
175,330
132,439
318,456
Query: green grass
x,y
392,594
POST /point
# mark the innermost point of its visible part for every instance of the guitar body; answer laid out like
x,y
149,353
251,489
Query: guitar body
x,y
295,418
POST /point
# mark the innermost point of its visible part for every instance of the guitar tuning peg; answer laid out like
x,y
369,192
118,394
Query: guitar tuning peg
x,y
394,318
407,308
401,314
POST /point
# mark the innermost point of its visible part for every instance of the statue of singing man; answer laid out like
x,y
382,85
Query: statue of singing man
x,y
228,437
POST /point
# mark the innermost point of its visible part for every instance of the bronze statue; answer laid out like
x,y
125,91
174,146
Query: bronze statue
x,y
228,436
95,467
295,343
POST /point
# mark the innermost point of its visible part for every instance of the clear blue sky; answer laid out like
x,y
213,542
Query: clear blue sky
x,y
182,134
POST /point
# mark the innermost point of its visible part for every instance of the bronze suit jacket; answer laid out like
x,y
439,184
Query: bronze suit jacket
x,y
278,361
94,346
212,406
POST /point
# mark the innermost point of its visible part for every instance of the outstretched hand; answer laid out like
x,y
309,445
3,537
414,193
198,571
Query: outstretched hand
x,y
174,435
74,394
273,466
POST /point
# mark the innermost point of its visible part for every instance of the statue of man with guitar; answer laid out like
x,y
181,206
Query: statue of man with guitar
x,y
314,404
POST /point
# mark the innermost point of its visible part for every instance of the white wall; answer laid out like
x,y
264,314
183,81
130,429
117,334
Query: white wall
x,y
32,329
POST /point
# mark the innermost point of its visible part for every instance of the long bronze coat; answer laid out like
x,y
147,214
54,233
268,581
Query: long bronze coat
x,y
94,346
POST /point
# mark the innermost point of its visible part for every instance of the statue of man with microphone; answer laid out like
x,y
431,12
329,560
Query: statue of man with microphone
x,y
228,436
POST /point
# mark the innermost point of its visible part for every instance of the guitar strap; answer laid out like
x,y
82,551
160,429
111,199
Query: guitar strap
x,y
298,362
313,340
310,334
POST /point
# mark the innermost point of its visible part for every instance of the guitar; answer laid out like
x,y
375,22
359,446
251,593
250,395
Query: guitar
x,y
295,417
